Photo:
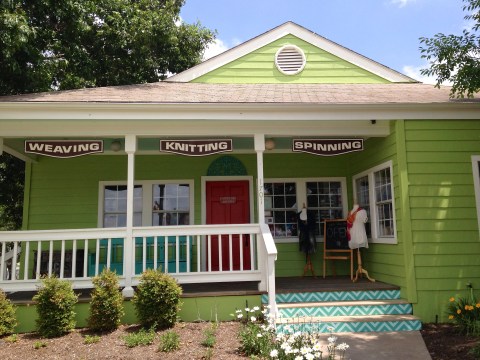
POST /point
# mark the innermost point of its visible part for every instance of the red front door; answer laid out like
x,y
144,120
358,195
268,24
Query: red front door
x,y
228,203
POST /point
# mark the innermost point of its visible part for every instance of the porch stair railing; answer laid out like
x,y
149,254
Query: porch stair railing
x,y
191,254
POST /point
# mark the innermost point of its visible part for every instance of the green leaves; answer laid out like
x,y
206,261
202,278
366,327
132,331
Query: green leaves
x,y
456,57
75,44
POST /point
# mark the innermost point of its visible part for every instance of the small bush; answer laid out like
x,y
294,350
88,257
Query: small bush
x,y
8,320
12,338
39,344
106,306
91,339
209,338
170,341
157,300
55,307
142,337
465,312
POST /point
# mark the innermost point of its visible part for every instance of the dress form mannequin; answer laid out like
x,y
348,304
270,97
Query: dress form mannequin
x,y
357,236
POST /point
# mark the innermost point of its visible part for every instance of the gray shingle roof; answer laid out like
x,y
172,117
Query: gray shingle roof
x,y
200,93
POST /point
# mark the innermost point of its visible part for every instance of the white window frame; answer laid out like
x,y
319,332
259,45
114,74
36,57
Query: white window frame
x,y
476,184
370,173
301,186
147,205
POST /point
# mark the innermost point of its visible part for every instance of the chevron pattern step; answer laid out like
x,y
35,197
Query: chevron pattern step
x,y
356,308
334,296
379,323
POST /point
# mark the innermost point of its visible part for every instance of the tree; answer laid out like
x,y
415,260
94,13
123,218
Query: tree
x,y
12,172
456,57
48,45
56,45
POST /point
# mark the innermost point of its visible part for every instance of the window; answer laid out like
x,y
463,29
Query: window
x,y
171,204
373,191
323,198
280,208
115,206
156,203
476,182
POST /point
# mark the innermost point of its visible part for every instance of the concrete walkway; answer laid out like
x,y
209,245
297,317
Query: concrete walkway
x,y
384,346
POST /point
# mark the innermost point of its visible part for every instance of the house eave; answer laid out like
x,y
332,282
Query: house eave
x,y
99,111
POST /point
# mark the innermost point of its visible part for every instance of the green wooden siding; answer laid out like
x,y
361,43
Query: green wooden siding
x,y
384,262
445,232
259,67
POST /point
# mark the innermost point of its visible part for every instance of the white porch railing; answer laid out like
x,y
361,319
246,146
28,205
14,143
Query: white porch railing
x,y
191,254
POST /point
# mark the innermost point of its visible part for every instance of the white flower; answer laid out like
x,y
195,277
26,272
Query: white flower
x,y
256,308
318,355
247,309
332,339
343,347
239,316
285,346
238,311
309,356
317,347
259,335
299,357
253,319
274,353
305,350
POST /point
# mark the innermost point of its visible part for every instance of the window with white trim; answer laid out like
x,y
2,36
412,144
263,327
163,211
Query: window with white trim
x,y
156,203
115,206
476,183
323,198
373,191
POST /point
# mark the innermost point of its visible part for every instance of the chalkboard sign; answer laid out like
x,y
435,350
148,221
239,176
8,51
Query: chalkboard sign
x,y
335,235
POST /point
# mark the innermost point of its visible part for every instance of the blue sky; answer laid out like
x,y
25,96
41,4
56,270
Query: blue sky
x,y
386,31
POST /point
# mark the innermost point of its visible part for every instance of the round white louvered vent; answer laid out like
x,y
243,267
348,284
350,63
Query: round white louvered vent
x,y
290,60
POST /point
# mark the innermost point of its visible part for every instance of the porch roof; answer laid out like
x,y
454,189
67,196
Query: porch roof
x,y
200,93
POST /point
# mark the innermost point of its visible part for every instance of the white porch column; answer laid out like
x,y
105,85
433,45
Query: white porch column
x,y
130,149
260,148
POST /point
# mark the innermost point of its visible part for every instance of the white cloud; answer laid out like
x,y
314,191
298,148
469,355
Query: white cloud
x,y
414,72
401,3
217,47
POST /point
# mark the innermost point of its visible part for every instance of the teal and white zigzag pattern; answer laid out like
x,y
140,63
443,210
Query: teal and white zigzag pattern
x,y
335,296
338,327
352,310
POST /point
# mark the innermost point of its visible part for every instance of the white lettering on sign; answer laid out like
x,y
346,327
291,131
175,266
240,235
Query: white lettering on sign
x,y
327,147
63,148
196,147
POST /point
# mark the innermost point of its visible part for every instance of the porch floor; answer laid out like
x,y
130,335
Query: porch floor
x,y
283,285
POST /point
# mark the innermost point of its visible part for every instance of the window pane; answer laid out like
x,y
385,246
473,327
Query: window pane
x,y
115,206
325,198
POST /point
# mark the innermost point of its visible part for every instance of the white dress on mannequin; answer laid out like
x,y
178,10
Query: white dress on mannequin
x,y
358,235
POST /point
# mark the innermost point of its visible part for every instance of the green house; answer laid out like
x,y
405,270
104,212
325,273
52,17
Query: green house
x,y
204,175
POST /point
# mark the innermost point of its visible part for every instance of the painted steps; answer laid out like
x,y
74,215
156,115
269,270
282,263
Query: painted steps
x,y
345,311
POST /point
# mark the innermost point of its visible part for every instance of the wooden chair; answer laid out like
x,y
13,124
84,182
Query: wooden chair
x,y
335,244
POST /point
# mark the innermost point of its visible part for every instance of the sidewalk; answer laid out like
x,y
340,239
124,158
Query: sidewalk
x,y
384,346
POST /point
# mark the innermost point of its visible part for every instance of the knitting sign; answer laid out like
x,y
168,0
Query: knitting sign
x,y
327,147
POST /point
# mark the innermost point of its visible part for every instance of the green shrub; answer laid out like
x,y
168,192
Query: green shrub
x,y
106,306
55,307
91,339
141,337
39,344
8,320
157,300
170,341
209,338
465,312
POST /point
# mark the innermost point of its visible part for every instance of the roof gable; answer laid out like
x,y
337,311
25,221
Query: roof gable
x,y
225,67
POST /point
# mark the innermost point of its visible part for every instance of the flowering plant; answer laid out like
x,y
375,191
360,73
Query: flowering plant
x,y
465,312
260,338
